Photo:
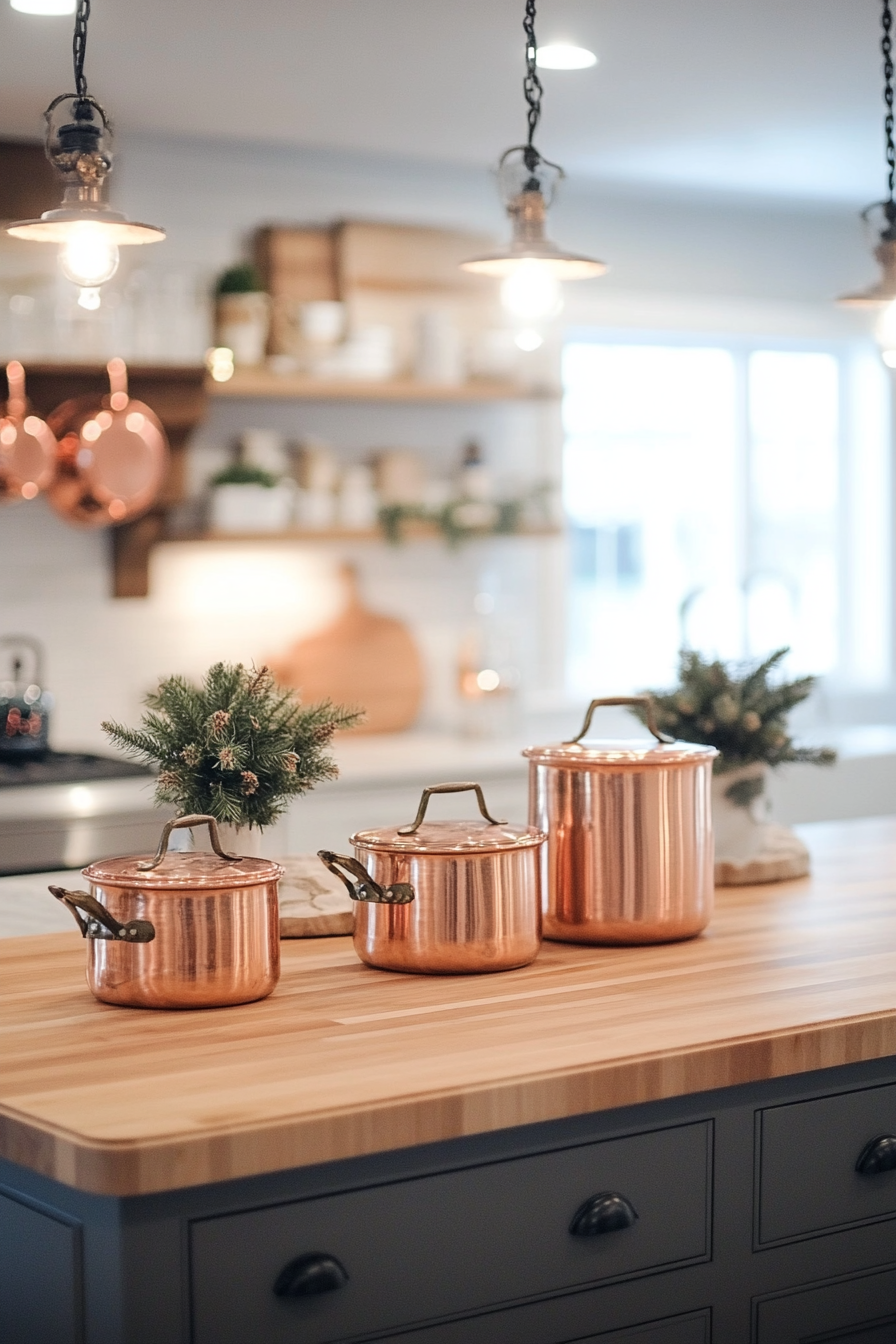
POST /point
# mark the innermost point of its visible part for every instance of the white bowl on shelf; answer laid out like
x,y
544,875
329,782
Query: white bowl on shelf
x,y
251,508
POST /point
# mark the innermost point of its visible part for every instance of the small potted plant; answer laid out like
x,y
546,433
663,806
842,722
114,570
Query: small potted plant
x,y
742,711
243,314
245,498
236,747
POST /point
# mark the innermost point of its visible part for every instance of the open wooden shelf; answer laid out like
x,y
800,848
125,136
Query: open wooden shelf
x,y
411,531
261,383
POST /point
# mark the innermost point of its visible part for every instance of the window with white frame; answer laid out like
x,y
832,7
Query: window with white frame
x,y
730,496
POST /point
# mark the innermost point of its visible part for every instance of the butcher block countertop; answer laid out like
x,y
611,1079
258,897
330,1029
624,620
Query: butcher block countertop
x,y
344,1060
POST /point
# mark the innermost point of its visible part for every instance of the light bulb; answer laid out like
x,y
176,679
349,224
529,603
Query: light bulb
x,y
528,339
46,7
531,291
87,257
89,299
564,56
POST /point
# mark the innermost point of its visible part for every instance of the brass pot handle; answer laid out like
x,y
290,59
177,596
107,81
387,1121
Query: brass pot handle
x,y
448,788
645,700
197,819
100,924
366,889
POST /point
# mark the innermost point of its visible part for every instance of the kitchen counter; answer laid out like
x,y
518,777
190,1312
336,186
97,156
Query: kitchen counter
x,y
667,1145
344,1060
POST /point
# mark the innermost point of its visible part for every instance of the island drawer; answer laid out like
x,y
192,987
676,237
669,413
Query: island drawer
x,y
808,1150
419,1249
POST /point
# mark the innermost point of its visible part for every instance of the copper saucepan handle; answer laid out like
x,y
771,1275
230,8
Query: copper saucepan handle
x,y
400,893
448,788
645,700
197,819
100,924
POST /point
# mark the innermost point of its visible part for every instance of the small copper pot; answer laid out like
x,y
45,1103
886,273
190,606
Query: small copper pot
x,y
180,930
27,444
445,897
629,857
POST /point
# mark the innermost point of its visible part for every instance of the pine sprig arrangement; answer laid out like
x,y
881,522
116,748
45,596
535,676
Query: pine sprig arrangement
x,y
738,709
236,747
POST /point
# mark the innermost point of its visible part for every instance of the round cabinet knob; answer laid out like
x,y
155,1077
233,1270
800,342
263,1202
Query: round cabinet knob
x,y
877,1156
606,1212
309,1275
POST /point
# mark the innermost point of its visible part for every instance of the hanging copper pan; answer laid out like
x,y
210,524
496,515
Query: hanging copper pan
x,y
112,456
27,444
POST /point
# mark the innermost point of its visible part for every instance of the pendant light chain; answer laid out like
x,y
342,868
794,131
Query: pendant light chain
x,y
532,84
79,47
886,46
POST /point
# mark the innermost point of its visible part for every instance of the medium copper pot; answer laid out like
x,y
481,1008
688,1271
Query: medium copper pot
x,y
445,897
180,930
629,857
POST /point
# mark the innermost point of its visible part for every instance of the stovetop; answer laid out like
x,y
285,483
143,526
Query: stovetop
x,y
65,767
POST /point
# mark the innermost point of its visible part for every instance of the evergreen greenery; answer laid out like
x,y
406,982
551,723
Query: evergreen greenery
x,y
237,747
243,473
241,279
738,709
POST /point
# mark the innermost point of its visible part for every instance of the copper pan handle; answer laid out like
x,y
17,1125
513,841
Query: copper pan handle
x,y
197,819
15,379
646,701
118,383
448,788
366,889
99,919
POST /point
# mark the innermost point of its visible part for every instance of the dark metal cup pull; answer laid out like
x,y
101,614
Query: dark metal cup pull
x,y
99,923
365,889
879,1155
310,1275
606,1212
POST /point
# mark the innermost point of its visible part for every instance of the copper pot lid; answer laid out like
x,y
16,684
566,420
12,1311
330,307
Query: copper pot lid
x,y
27,444
112,457
450,837
619,752
179,871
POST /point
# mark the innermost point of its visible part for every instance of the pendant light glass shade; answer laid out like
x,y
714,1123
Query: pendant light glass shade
x,y
527,183
79,146
884,288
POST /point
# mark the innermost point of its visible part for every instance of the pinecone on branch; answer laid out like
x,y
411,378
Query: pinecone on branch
x,y
236,747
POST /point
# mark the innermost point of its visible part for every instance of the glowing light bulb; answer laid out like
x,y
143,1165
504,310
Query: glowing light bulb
x,y
531,292
46,7
89,299
564,56
528,339
88,258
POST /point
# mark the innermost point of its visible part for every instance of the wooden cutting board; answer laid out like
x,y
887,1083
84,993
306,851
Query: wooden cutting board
x,y
313,902
362,659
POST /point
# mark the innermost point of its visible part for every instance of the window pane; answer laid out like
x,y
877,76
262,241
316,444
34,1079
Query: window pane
x,y
792,578
649,486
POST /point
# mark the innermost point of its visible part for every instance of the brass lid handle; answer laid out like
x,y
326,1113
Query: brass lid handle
x,y
448,788
646,701
177,823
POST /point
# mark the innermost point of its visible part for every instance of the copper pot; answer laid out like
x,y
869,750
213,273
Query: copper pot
x,y
113,455
27,444
629,857
180,930
445,897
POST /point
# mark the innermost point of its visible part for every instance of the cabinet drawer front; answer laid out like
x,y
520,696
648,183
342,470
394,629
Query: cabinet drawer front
x,y
420,1249
808,1151
857,1310
678,1330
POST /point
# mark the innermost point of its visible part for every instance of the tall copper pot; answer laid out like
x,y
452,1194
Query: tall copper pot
x,y
629,857
445,897
179,930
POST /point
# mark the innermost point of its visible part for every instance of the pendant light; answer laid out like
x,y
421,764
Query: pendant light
x,y
78,144
882,216
532,265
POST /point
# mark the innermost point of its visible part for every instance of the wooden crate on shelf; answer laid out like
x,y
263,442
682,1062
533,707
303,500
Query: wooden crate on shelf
x,y
386,274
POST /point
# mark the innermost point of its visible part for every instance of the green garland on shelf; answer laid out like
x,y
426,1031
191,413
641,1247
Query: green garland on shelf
x,y
236,747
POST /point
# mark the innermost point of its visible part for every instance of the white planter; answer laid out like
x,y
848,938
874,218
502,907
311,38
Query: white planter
x,y
251,508
749,847
242,840
243,323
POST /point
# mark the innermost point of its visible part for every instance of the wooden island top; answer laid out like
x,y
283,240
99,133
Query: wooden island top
x,y
344,1060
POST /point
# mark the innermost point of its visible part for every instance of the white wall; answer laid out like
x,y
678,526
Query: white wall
x,y
676,261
